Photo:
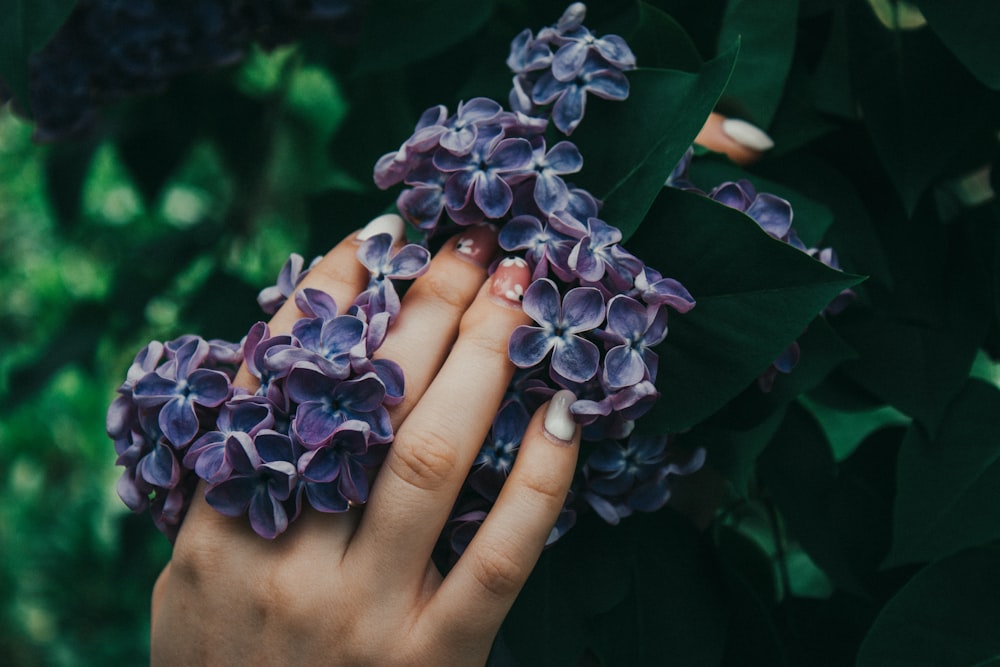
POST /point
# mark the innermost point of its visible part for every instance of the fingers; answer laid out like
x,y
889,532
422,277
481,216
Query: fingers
x,y
436,445
423,333
742,142
487,578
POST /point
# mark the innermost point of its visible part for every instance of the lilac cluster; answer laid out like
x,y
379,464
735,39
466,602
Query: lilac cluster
x,y
562,64
598,311
315,427
774,215
487,163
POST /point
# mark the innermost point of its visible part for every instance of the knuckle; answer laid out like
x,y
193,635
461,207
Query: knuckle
x,y
422,460
544,489
483,337
497,572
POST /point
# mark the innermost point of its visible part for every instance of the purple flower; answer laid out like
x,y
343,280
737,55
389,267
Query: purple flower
x,y
570,97
656,290
325,403
477,177
544,244
273,297
327,343
497,454
550,191
243,416
335,472
263,483
178,395
376,255
580,43
573,357
461,135
636,329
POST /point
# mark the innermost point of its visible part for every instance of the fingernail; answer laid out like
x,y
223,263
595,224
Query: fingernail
x,y
390,223
747,134
558,420
510,280
477,244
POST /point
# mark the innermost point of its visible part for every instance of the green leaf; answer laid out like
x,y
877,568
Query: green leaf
x,y
919,104
846,430
659,41
799,473
946,616
631,147
949,485
755,296
972,32
766,30
27,25
918,369
430,28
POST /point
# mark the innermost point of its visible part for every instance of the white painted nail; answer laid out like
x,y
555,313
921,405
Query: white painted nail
x,y
390,223
558,419
747,134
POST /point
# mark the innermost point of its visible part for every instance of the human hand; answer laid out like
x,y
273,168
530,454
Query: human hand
x,y
360,587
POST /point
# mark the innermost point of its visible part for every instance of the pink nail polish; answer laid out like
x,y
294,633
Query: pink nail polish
x,y
510,280
477,244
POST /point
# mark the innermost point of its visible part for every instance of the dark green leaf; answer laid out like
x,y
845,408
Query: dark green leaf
x,y
946,616
734,452
26,26
915,368
659,41
755,296
430,28
631,147
907,85
766,30
949,485
972,32
799,473
675,611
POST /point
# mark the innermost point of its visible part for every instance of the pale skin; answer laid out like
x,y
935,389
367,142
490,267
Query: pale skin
x,y
359,588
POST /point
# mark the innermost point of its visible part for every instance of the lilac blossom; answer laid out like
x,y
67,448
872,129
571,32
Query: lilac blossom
x,y
272,298
625,476
335,472
178,392
633,329
560,320
376,255
496,456
324,403
263,483
476,187
546,170
569,98
241,416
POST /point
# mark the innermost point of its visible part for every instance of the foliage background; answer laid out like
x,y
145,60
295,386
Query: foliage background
x,y
860,501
